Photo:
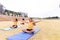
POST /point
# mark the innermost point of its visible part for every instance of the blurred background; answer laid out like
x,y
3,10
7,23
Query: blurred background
x,y
31,8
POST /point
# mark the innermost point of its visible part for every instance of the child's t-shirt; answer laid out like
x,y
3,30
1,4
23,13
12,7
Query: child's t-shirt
x,y
15,23
30,25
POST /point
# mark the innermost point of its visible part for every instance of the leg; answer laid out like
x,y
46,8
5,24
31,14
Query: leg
x,y
15,26
12,26
32,31
28,31
24,30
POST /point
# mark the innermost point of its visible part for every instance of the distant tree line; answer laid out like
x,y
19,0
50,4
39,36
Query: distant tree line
x,y
55,17
11,13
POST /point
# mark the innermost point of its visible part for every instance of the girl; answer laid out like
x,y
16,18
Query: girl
x,y
23,20
31,23
15,23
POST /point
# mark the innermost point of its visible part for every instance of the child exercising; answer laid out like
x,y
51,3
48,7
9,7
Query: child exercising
x,y
23,20
31,23
15,23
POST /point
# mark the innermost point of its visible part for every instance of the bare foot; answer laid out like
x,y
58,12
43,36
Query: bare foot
x,y
24,30
32,31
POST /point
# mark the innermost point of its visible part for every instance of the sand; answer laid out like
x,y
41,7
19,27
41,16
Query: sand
x,y
49,30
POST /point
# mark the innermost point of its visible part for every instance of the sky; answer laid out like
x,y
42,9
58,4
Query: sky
x,y
34,8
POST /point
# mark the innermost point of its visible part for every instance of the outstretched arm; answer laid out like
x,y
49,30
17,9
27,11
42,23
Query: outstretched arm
x,y
36,21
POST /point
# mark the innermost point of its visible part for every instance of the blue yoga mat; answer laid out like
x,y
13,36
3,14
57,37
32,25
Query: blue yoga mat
x,y
6,29
22,35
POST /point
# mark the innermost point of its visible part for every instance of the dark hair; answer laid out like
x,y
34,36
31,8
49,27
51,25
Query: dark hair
x,y
30,18
23,19
16,19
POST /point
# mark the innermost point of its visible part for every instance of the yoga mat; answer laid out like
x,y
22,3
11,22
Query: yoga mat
x,y
23,35
9,28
